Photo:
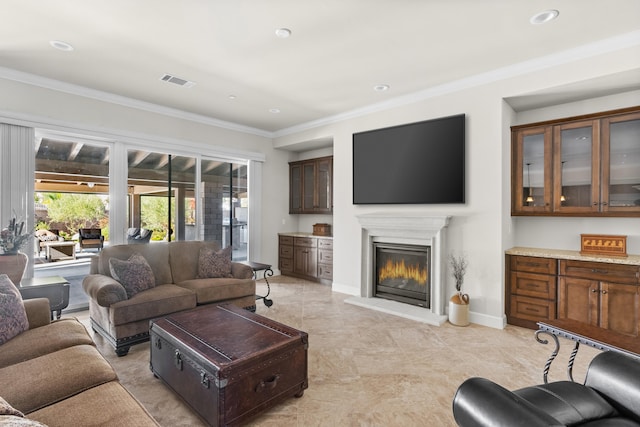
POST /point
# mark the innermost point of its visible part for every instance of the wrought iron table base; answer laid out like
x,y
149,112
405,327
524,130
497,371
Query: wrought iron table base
x,y
581,334
267,272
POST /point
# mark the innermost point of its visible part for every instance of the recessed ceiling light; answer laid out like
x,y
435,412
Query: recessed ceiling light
x,y
283,33
381,88
543,17
274,110
60,45
232,97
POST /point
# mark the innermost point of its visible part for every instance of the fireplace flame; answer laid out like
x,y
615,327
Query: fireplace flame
x,y
399,270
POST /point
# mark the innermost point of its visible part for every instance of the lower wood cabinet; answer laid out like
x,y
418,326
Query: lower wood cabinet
x,y
308,257
601,294
531,290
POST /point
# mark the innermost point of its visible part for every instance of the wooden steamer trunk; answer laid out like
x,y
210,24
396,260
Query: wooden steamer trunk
x,y
227,363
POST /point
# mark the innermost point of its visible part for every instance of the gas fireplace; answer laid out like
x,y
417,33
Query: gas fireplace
x,y
419,242
401,273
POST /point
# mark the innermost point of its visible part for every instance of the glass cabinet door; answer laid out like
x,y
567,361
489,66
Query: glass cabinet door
x,y
621,164
295,190
576,153
308,187
323,186
532,171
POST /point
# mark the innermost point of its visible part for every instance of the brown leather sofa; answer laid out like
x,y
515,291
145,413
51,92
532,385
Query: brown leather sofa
x,y
124,321
53,374
610,396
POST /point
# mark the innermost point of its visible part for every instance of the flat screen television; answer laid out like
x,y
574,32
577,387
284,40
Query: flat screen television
x,y
416,163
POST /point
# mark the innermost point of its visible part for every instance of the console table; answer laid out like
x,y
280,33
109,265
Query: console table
x,y
266,272
54,288
582,333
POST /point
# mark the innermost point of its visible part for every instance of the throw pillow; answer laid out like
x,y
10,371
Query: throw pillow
x,y
15,421
212,263
6,409
13,317
135,274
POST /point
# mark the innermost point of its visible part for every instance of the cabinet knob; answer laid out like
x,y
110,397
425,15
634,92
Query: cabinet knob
x,y
604,292
594,290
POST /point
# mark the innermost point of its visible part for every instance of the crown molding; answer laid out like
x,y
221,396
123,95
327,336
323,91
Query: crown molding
x,y
57,85
612,44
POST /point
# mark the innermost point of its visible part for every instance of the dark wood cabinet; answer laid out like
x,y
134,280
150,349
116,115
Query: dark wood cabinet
x,y
579,166
308,257
325,259
311,186
531,294
285,254
600,294
305,256
603,294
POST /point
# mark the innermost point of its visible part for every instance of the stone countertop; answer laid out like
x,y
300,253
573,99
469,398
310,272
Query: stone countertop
x,y
302,234
574,255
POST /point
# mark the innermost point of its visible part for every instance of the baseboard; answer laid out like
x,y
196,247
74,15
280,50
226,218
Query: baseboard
x,y
486,320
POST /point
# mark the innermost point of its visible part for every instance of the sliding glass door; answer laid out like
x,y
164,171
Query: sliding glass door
x,y
161,195
225,205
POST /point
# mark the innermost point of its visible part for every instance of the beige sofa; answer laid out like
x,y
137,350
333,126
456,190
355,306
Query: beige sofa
x,y
124,321
53,374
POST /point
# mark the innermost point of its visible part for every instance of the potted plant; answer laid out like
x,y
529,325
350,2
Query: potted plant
x,y
13,263
459,302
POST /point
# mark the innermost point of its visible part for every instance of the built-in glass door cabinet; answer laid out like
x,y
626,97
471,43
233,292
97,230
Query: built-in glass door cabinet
x,y
585,166
531,170
310,188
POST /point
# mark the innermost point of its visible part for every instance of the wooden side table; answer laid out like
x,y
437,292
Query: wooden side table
x,y
267,272
54,288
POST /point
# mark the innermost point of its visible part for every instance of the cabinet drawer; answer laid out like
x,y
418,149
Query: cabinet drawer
x,y
325,256
286,264
308,242
533,285
286,240
286,251
325,271
325,244
618,273
532,308
534,264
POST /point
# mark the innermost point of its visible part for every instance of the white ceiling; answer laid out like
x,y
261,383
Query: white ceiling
x,y
338,51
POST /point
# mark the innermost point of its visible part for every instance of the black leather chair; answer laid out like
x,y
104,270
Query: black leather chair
x,y
609,397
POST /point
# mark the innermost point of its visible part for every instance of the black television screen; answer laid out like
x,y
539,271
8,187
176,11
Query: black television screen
x,y
415,163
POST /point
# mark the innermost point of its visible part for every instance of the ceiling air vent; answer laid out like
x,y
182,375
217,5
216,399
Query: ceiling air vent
x,y
177,80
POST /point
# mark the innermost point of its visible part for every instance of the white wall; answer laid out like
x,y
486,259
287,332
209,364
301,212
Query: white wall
x,y
43,108
482,228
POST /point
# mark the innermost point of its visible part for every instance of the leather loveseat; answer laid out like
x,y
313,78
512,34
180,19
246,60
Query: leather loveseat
x,y
609,397
178,283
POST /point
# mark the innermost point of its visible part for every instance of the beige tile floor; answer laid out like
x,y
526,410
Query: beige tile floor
x,y
367,368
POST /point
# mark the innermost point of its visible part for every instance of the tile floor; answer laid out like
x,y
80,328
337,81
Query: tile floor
x,y
367,368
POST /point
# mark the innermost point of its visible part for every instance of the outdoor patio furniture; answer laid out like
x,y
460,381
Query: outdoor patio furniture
x,y
90,238
138,235
45,236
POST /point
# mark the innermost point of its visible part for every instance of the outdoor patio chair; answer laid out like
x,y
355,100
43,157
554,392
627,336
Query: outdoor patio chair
x,y
90,238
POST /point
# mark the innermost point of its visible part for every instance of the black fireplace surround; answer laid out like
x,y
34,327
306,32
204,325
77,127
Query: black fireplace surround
x,y
402,273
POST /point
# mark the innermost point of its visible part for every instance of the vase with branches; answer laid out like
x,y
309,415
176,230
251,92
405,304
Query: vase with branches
x,y
459,303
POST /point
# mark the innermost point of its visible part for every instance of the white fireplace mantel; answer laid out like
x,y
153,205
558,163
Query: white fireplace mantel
x,y
406,229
